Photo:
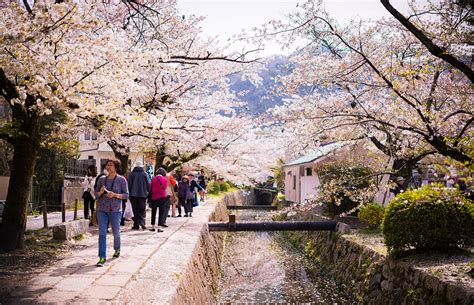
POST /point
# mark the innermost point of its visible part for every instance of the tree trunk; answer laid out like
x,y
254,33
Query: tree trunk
x,y
160,156
123,157
176,161
404,168
124,160
19,188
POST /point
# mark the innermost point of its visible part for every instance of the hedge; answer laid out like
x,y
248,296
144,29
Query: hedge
x,y
371,214
430,217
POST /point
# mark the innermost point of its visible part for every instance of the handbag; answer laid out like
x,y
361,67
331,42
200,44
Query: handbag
x,y
128,212
87,195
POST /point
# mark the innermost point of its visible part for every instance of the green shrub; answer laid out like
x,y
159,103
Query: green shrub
x,y
431,217
224,186
213,187
372,215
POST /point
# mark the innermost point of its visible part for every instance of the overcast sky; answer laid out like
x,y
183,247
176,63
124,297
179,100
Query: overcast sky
x,y
227,17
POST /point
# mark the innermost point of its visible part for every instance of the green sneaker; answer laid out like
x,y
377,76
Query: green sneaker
x,y
116,254
101,262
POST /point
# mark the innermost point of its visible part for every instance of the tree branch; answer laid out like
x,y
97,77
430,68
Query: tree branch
x,y
27,6
433,48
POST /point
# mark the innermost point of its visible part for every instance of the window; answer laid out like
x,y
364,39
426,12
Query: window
x,y
94,135
309,171
87,134
102,164
90,157
294,182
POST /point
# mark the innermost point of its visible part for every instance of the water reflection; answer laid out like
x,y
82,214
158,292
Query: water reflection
x,y
260,267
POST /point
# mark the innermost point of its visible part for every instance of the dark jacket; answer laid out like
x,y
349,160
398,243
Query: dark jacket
x,y
194,185
138,183
183,189
202,181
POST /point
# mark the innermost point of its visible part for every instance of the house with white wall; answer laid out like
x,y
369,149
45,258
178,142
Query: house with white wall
x,y
90,147
301,177
301,174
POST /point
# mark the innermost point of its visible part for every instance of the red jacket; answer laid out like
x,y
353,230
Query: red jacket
x,y
158,190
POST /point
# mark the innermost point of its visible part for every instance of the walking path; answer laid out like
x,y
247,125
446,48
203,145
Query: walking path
x,y
147,271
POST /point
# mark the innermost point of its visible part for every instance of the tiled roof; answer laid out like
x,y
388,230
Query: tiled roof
x,y
316,154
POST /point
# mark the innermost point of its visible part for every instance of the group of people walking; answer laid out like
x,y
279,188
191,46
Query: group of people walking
x,y
164,193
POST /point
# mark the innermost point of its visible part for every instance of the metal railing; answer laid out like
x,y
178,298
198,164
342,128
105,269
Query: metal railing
x,y
74,168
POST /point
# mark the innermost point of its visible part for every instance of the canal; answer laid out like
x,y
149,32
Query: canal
x,y
261,267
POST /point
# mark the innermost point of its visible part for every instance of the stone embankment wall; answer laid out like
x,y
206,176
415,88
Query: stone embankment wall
x,y
198,285
374,278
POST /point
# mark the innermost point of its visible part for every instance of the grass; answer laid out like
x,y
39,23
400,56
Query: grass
x,y
369,231
80,206
42,241
35,212
220,195
78,237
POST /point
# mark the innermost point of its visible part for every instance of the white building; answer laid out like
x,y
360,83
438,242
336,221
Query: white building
x,y
91,148
301,178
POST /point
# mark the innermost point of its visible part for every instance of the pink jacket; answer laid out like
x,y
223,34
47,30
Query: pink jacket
x,y
158,190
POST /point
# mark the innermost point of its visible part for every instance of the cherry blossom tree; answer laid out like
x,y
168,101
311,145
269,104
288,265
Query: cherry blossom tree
x,y
185,92
403,82
137,71
59,56
248,156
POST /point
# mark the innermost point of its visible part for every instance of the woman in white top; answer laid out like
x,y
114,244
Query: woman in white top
x,y
88,194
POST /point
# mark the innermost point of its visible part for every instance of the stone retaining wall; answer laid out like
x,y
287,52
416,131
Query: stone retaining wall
x,y
198,285
374,278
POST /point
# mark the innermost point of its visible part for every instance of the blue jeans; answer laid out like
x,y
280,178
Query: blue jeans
x,y
103,218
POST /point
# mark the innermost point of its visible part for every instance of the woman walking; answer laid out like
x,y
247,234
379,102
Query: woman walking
x,y
194,187
183,193
159,199
110,191
202,183
88,194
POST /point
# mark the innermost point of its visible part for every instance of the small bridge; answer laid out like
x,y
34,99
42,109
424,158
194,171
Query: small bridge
x,y
252,207
273,226
264,198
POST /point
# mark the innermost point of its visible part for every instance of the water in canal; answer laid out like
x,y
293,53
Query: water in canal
x,y
260,267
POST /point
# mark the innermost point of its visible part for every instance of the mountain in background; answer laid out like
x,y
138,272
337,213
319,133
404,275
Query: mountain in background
x,y
264,96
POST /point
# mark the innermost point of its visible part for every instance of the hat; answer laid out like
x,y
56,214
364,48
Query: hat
x,y
138,164
161,171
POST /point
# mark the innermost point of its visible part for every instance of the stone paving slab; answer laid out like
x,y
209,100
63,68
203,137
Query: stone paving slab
x,y
159,279
149,266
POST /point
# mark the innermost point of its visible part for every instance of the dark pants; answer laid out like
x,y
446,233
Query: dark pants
x,y
162,205
188,206
164,209
154,208
181,203
88,204
124,204
139,211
